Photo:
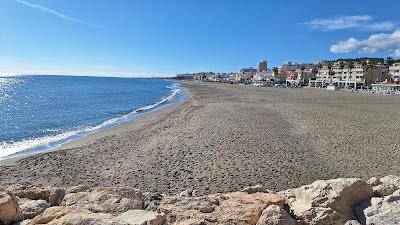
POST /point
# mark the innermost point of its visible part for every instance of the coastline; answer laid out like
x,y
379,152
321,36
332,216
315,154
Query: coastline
x,y
177,96
225,137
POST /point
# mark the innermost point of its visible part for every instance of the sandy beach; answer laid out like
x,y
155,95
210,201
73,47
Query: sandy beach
x,y
226,137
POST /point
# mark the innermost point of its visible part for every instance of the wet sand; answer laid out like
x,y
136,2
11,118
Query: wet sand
x,y
226,137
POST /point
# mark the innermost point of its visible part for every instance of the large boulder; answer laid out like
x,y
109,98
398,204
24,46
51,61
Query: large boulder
x,y
141,217
52,195
9,209
275,215
65,215
60,215
328,202
106,200
242,208
385,185
31,208
380,210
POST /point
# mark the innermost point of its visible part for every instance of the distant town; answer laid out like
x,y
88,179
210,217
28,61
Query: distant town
x,y
375,75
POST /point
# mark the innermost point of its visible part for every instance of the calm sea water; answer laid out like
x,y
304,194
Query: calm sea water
x,y
38,113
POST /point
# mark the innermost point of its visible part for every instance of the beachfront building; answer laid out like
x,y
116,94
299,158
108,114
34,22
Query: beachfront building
x,y
344,75
246,74
294,66
394,72
387,87
299,77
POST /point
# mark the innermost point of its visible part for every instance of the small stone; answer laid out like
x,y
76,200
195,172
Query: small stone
x,y
352,222
207,209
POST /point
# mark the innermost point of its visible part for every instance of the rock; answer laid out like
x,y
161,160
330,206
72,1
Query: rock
x,y
152,201
65,215
328,202
352,222
187,193
380,210
52,195
61,215
31,208
274,215
9,209
75,189
141,217
239,207
373,181
56,195
255,189
24,222
206,209
78,217
51,214
386,186
106,200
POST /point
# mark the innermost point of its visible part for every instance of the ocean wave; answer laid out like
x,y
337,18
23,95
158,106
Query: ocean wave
x,y
30,146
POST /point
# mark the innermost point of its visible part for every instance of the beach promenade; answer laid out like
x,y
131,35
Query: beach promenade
x,y
226,137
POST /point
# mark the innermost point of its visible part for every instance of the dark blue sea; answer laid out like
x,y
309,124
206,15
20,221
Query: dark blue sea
x,y
38,113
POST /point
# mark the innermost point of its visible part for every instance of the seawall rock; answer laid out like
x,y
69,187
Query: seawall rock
x,y
107,200
9,209
324,202
240,207
380,210
328,201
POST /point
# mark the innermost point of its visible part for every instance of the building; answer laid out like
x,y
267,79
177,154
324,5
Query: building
x,y
246,74
267,75
262,66
293,66
339,74
394,72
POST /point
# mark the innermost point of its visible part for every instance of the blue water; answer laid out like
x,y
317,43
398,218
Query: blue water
x,y
38,113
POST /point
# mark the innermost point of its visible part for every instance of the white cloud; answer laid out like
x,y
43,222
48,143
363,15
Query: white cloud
x,y
363,22
384,42
396,52
53,12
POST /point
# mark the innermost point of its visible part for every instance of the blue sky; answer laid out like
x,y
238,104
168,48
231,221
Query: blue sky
x,y
148,37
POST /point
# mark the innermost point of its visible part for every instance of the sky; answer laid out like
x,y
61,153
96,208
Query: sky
x,y
163,38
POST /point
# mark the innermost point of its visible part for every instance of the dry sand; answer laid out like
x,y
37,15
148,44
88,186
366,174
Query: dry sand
x,y
226,137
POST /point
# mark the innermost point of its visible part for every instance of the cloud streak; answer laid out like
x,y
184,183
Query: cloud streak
x,y
376,43
362,22
53,12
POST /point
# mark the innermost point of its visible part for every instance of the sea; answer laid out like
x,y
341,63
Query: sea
x,y
40,113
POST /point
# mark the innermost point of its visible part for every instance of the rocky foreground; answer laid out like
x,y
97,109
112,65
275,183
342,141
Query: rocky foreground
x,y
340,201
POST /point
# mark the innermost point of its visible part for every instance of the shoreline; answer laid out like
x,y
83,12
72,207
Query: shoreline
x,y
177,98
226,137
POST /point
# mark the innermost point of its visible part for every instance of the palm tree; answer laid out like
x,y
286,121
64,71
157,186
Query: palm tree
x,y
389,61
341,66
364,65
302,68
350,66
330,72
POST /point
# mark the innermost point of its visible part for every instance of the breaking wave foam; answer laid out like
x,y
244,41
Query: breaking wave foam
x,y
35,145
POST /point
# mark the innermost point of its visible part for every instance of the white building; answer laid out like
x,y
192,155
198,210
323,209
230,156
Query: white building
x,y
394,72
293,66
266,75
342,76
246,74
